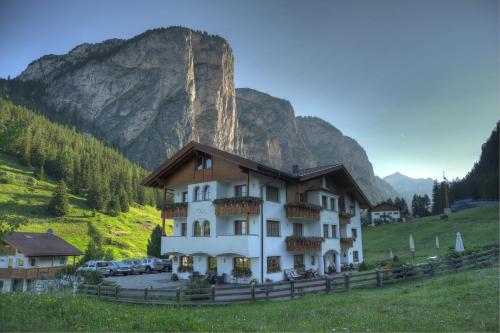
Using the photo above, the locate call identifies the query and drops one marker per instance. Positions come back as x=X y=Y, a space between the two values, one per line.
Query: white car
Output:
x=99 y=266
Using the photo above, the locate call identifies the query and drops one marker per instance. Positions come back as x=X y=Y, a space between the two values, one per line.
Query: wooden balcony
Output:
x=344 y=220
x=175 y=210
x=303 y=244
x=237 y=206
x=29 y=273
x=346 y=242
x=302 y=210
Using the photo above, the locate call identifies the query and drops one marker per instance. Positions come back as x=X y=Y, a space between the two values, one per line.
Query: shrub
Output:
x=91 y=277
x=174 y=277
x=68 y=270
x=365 y=267
x=198 y=287
x=242 y=272
x=59 y=205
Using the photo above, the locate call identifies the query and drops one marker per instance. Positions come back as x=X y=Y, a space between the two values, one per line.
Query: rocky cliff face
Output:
x=272 y=134
x=146 y=96
x=149 y=95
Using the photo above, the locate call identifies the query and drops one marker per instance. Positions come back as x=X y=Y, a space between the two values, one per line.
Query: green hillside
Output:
x=22 y=197
x=478 y=227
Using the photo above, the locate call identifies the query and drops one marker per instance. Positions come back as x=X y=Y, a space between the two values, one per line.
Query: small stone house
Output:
x=384 y=212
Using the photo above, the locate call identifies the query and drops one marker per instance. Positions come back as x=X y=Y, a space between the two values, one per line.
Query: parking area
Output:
x=153 y=280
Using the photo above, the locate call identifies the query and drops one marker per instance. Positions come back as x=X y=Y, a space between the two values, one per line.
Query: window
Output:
x=199 y=163
x=184 y=197
x=302 y=197
x=273 y=228
x=325 y=230
x=298 y=229
x=240 y=190
x=20 y=262
x=272 y=194
x=208 y=162
x=196 y=229
x=10 y=262
x=334 y=231
x=324 y=202
x=298 y=261
x=273 y=264
x=354 y=233
x=212 y=264
x=185 y=264
x=241 y=227
x=62 y=261
x=355 y=256
x=332 y=204
x=32 y=262
x=206 y=193
x=313 y=261
x=206 y=229
x=184 y=228
x=241 y=263
x=197 y=196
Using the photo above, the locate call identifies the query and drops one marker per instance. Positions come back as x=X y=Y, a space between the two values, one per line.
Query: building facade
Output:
x=384 y=212
x=26 y=257
x=244 y=220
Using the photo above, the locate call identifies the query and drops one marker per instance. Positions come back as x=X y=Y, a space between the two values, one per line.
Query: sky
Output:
x=414 y=82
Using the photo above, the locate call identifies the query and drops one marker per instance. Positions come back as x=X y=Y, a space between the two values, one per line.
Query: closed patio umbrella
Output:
x=391 y=255
x=459 y=245
x=437 y=245
x=412 y=247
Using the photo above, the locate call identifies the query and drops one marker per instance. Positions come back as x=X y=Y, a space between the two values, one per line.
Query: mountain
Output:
x=149 y=95
x=407 y=186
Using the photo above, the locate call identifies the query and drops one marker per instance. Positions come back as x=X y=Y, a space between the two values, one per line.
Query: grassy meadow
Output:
x=466 y=301
x=478 y=226
x=126 y=234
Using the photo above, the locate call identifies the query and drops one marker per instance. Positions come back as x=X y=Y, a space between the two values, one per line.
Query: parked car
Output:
x=152 y=264
x=167 y=265
x=99 y=266
x=118 y=267
x=136 y=266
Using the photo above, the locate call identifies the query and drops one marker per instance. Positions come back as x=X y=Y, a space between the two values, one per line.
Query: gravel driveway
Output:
x=153 y=280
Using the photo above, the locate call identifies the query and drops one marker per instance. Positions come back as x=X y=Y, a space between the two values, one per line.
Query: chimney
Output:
x=49 y=231
x=295 y=168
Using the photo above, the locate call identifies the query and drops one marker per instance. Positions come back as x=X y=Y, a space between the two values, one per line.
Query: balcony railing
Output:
x=175 y=210
x=302 y=243
x=344 y=220
x=28 y=273
x=346 y=242
x=237 y=206
x=302 y=210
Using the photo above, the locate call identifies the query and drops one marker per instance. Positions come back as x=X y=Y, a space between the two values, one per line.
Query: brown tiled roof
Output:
x=36 y=244
x=183 y=154
x=385 y=207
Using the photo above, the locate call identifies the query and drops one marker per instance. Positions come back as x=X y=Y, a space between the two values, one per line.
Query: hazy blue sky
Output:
x=414 y=82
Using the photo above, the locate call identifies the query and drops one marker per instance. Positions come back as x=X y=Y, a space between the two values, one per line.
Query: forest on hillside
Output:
x=108 y=180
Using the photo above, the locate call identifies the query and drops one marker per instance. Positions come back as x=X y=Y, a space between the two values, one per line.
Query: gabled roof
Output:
x=193 y=147
x=36 y=244
x=385 y=207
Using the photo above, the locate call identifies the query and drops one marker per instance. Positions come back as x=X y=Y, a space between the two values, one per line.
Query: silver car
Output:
x=118 y=267
x=136 y=266
x=152 y=264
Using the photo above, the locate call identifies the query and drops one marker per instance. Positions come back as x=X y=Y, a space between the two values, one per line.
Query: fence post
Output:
x=212 y=291
x=378 y=277
x=474 y=259
x=178 y=294
x=99 y=291
x=431 y=269
x=346 y=281
x=116 y=292
x=292 y=288
x=145 y=294
x=404 y=272
x=252 y=290
x=327 y=284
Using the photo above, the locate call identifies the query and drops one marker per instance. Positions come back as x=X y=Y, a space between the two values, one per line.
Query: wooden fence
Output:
x=287 y=289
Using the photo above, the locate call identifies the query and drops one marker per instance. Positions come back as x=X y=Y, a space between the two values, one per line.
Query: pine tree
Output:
x=59 y=205
x=40 y=173
x=435 y=197
x=124 y=203
x=114 y=206
x=154 y=243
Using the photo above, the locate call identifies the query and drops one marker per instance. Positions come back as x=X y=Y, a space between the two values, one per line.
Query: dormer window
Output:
x=208 y=162
x=199 y=163
x=203 y=162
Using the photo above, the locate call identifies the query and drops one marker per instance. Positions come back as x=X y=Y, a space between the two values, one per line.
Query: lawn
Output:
x=467 y=301
x=479 y=227
x=126 y=234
